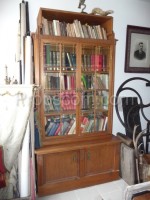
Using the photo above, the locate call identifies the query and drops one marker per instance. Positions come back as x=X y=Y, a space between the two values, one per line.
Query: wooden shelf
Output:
x=89 y=154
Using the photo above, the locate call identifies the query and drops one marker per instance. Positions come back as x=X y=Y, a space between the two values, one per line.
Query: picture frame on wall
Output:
x=137 y=55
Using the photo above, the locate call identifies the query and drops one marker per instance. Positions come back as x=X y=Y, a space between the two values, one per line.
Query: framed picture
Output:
x=137 y=56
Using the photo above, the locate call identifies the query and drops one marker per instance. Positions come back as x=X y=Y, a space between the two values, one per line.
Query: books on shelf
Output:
x=51 y=58
x=48 y=125
x=45 y=26
x=69 y=60
x=94 y=62
x=102 y=81
x=52 y=81
x=90 y=124
x=86 y=81
x=48 y=104
x=60 y=126
x=74 y=29
x=68 y=81
x=90 y=61
x=87 y=100
x=51 y=103
x=61 y=89
x=68 y=100
x=101 y=100
x=53 y=129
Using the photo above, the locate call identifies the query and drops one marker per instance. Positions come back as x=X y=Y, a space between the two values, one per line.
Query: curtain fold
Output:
x=15 y=107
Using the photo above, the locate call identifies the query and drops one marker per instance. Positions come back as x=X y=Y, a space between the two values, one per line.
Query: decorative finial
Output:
x=7 y=79
x=82 y=3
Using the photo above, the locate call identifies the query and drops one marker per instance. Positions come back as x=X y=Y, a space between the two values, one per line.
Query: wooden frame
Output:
x=137 y=38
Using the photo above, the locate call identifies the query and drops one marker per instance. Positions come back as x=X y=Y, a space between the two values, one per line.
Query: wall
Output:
x=135 y=12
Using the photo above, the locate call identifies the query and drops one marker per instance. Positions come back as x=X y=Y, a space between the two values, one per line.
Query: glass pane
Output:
x=68 y=58
x=51 y=57
x=52 y=81
x=51 y=103
x=68 y=81
x=60 y=125
x=101 y=122
x=52 y=126
x=87 y=100
x=68 y=125
x=101 y=100
x=86 y=81
x=87 y=123
x=95 y=58
x=68 y=100
x=94 y=88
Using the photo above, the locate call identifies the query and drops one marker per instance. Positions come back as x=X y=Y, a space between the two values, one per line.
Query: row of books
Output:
x=66 y=101
x=67 y=125
x=51 y=103
x=90 y=62
x=52 y=81
x=87 y=100
x=101 y=100
x=51 y=56
x=86 y=81
x=88 y=124
x=57 y=126
x=75 y=29
x=65 y=81
x=100 y=82
x=94 y=62
x=88 y=103
x=52 y=59
x=68 y=81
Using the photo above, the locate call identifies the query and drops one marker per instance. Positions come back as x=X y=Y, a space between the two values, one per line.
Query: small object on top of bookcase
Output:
x=74 y=65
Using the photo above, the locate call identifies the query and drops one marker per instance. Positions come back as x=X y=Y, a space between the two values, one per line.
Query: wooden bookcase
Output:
x=75 y=71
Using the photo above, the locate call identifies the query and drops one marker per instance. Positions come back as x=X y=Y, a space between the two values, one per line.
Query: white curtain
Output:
x=15 y=108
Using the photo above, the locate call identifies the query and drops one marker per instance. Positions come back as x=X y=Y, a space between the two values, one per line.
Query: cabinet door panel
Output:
x=100 y=159
x=60 y=166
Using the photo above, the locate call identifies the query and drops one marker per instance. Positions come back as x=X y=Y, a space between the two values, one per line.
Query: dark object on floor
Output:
x=2 y=169
x=131 y=108
x=125 y=139
x=142 y=196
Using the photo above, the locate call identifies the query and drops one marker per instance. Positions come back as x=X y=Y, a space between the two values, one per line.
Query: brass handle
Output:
x=88 y=155
x=74 y=158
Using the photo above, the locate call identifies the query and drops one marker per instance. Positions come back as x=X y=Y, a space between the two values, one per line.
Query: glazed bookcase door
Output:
x=58 y=78
x=76 y=91
x=94 y=89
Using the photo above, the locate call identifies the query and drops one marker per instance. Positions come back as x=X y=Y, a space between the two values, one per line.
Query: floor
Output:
x=108 y=191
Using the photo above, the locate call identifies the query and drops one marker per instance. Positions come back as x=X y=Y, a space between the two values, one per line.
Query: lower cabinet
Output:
x=61 y=166
x=70 y=167
x=100 y=159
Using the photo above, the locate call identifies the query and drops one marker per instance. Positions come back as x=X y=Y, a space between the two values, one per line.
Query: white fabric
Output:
x=24 y=167
x=135 y=189
x=8 y=192
x=15 y=107
x=28 y=60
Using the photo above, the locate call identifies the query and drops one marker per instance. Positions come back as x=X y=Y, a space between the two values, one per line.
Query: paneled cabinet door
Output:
x=101 y=159
x=56 y=167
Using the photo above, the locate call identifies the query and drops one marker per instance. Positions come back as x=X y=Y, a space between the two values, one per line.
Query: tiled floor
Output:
x=108 y=191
